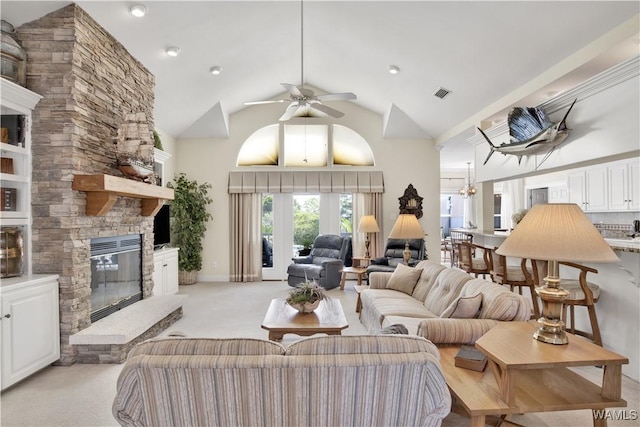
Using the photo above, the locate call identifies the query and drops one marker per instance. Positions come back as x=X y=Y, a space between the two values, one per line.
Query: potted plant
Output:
x=306 y=296
x=189 y=218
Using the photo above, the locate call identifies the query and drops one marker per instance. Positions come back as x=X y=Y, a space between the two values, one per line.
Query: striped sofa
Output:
x=438 y=289
x=383 y=380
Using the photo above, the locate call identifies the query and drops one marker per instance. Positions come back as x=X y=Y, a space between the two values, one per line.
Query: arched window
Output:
x=317 y=145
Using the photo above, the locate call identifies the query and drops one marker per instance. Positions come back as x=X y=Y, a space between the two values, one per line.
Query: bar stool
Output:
x=585 y=294
x=515 y=276
x=469 y=261
x=457 y=237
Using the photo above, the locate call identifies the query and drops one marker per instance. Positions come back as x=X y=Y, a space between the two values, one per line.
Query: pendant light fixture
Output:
x=469 y=189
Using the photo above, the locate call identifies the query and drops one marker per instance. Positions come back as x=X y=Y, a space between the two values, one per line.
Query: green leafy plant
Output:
x=157 y=142
x=306 y=292
x=189 y=218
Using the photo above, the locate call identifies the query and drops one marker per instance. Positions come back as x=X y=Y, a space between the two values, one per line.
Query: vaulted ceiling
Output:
x=489 y=55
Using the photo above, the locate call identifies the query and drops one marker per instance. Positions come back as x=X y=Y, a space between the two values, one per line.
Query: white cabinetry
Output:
x=624 y=186
x=15 y=176
x=165 y=271
x=588 y=189
x=30 y=326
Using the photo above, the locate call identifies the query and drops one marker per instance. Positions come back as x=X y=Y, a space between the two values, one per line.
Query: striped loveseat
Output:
x=384 y=380
x=430 y=306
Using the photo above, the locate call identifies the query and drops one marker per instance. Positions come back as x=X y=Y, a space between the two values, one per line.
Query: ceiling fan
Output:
x=304 y=102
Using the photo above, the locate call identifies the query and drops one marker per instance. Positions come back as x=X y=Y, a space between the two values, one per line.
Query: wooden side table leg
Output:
x=359 y=279
x=358 y=304
x=342 y=280
x=598 y=421
x=478 y=421
x=612 y=382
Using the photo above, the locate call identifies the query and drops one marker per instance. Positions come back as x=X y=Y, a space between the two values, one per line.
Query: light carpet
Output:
x=81 y=395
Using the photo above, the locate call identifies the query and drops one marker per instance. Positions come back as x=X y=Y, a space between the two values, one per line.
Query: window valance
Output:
x=306 y=182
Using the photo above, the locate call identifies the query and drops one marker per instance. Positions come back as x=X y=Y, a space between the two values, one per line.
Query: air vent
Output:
x=441 y=93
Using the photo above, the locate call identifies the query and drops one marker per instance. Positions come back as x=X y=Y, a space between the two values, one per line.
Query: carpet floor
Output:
x=81 y=395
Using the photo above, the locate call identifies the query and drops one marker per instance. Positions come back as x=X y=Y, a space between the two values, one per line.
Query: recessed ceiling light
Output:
x=216 y=70
x=393 y=69
x=173 y=50
x=138 y=10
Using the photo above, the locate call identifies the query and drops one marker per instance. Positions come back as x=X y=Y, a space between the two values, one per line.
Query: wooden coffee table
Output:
x=525 y=375
x=361 y=272
x=282 y=319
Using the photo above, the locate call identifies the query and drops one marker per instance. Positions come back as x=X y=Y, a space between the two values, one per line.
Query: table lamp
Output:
x=406 y=227
x=556 y=232
x=368 y=225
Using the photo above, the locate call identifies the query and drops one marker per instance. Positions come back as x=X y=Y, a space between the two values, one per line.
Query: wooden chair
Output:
x=520 y=276
x=585 y=294
x=469 y=261
x=455 y=238
x=445 y=242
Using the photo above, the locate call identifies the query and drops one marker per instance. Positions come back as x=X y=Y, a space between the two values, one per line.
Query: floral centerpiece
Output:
x=306 y=296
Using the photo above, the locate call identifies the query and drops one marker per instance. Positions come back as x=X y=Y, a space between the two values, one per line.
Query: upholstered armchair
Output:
x=393 y=255
x=329 y=254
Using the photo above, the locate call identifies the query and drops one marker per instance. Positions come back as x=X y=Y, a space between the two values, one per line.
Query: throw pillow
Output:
x=398 y=328
x=463 y=307
x=404 y=279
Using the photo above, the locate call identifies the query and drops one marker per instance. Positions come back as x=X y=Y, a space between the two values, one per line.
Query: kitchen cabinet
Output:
x=624 y=186
x=588 y=189
x=30 y=326
x=165 y=271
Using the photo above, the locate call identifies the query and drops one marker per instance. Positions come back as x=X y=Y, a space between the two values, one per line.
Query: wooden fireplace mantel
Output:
x=103 y=191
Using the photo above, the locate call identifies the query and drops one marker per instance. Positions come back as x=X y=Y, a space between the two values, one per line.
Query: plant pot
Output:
x=306 y=307
x=187 y=277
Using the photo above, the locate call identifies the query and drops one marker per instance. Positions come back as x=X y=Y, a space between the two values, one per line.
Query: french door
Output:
x=291 y=220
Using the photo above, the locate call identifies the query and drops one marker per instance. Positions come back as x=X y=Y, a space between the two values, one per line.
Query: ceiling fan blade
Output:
x=327 y=110
x=292 y=89
x=277 y=101
x=336 y=96
x=291 y=111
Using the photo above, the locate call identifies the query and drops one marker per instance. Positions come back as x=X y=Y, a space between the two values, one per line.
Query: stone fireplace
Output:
x=89 y=82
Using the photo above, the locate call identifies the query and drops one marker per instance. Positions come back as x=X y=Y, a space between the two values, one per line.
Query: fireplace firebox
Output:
x=116 y=274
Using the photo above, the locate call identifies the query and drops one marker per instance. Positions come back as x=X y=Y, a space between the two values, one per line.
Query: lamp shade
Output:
x=368 y=224
x=557 y=232
x=406 y=227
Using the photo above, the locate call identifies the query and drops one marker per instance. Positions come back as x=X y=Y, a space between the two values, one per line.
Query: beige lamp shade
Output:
x=407 y=227
x=557 y=232
x=368 y=224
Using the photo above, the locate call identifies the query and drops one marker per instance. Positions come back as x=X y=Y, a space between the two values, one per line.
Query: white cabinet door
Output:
x=576 y=186
x=596 y=186
x=158 y=274
x=634 y=185
x=30 y=329
x=171 y=272
x=165 y=271
x=618 y=188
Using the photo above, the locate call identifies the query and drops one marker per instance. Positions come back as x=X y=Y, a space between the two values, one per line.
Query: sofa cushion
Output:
x=404 y=279
x=206 y=347
x=464 y=307
x=445 y=290
x=430 y=272
x=498 y=302
x=361 y=344
x=382 y=303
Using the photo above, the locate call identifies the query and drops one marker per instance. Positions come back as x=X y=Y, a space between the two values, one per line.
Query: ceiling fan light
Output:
x=216 y=70
x=138 y=10
x=173 y=50
x=393 y=69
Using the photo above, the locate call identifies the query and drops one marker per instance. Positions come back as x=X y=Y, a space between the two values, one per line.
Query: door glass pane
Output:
x=346 y=215
x=267 y=230
x=306 y=222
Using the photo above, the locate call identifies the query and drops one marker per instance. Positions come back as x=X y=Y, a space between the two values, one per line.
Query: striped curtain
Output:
x=246 y=237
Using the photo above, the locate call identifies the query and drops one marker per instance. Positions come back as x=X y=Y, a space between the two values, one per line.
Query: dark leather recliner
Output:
x=393 y=255
x=328 y=255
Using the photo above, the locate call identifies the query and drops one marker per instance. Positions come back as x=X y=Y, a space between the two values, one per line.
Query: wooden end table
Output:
x=283 y=319
x=525 y=375
x=360 y=271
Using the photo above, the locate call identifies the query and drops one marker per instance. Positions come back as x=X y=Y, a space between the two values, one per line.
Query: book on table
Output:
x=469 y=357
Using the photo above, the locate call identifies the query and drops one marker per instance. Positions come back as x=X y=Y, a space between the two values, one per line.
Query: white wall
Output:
x=403 y=162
